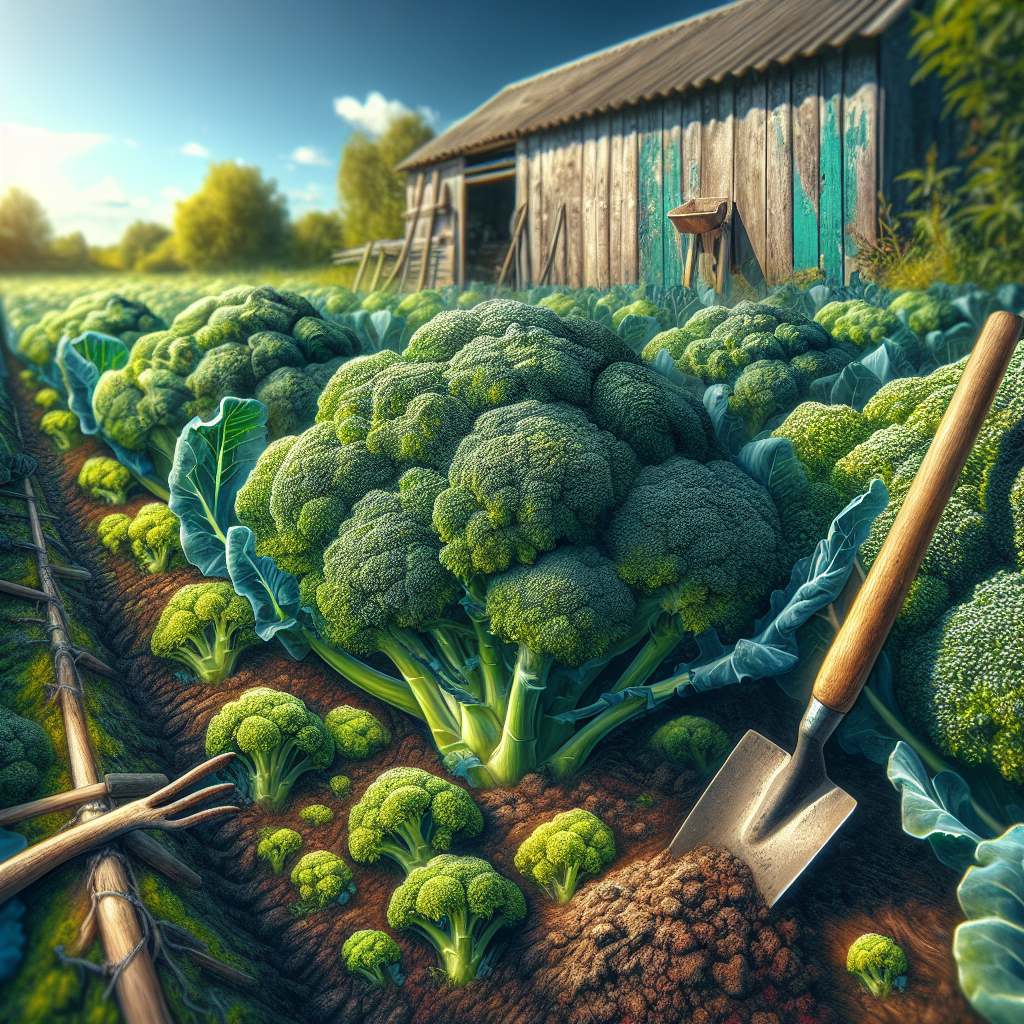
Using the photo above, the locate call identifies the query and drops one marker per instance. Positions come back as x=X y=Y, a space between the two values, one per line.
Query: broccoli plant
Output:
x=47 y=398
x=561 y=851
x=374 y=955
x=409 y=815
x=692 y=741
x=153 y=535
x=316 y=815
x=105 y=480
x=879 y=963
x=277 y=846
x=357 y=734
x=275 y=737
x=323 y=877
x=341 y=786
x=62 y=427
x=205 y=626
x=856 y=321
x=26 y=755
x=458 y=904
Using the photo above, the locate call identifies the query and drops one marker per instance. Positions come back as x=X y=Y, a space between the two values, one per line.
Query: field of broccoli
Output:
x=480 y=589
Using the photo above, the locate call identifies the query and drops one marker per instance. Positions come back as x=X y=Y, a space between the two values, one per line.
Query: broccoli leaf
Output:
x=951 y=345
x=729 y=429
x=989 y=946
x=636 y=331
x=377 y=331
x=774 y=465
x=273 y=593
x=211 y=463
x=81 y=362
x=665 y=365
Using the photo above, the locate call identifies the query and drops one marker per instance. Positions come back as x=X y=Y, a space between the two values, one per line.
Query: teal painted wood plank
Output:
x=690 y=161
x=830 y=231
x=806 y=164
x=779 y=184
x=860 y=171
x=672 y=189
x=652 y=259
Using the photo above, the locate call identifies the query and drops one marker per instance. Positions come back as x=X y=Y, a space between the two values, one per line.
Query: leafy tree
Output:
x=371 y=191
x=25 y=231
x=70 y=252
x=140 y=239
x=163 y=259
x=315 y=236
x=236 y=219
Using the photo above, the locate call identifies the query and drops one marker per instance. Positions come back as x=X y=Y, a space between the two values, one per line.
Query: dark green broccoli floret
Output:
x=105 y=480
x=457 y=904
x=224 y=370
x=357 y=734
x=277 y=846
x=409 y=815
x=205 y=626
x=341 y=786
x=692 y=741
x=560 y=852
x=374 y=955
x=442 y=336
x=62 y=426
x=317 y=815
x=878 y=962
x=270 y=351
x=764 y=388
x=26 y=755
x=323 y=877
x=277 y=739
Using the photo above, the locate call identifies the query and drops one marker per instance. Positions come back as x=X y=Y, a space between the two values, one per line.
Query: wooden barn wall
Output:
x=445 y=228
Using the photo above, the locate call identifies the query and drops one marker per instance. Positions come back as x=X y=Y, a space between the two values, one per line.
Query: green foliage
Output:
x=357 y=734
x=276 y=846
x=25 y=231
x=878 y=962
x=925 y=312
x=691 y=741
x=276 y=738
x=105 y=480
x=559 y=853
x=205 y=626
x=315 y=237
x=409 y=815
x=458 y=904
x=323 y=877
x=153 y=535
x=140 y=239
x=26 y=755
x=316 y=815
x=341 y=786
x=62 y=427
x=374 y=955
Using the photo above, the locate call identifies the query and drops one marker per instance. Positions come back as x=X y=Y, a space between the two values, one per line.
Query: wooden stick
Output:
x=154 y=854
x=215 y=966
x=362 y=266
x=380 y=267
x=29 y=593
x=513 y=246
x=71 y=572
x=407 y=244
x=559 y=217
x=435 y=181
x=92 y=663
x=116 y=785
x=688 y=272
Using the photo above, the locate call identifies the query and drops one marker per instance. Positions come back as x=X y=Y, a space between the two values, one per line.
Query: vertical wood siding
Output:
x=652 y=195
x=779 y=177
x=673 y=188
x=806 y=169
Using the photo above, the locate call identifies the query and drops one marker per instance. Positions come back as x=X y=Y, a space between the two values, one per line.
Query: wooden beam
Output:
x=378 y=269
x=779 y=163
x=421 y=180
x=559 y=221
x=362 y=266
x=514 y=245
x=29 y=593
x=435 y=182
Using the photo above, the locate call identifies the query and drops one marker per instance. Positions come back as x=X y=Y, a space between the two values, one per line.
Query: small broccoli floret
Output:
x=62 y=426
x=409 y=815
x=322 y=877
x=155 y=537
x=457 y=904
x=275 y=737
x=47 y=398
x=341 y=786
x=879 y=963
x=317 y=815
x=113 y=530
x=692 y=741
x=561 y=851
x=879 y=455
x=105 y=480
x=374 y=955
x=276 y=847
x=856 y=321
x=357 y=734
x=26 y=755
x=205 y=626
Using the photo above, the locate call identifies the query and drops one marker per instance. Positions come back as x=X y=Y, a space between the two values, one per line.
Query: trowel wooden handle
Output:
x=860 y=639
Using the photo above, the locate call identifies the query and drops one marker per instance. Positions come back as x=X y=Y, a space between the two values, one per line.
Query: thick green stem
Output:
x=492 y=669
x=451 y=649
x=516 y=753
x=665 y=636
x=481 y=729
x=153 y=486
x=571 y=755
x=420 y=851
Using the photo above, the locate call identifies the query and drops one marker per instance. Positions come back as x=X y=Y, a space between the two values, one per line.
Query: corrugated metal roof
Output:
x=728 y=40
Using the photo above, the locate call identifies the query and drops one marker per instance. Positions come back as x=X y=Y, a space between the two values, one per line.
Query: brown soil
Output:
x=628 y=958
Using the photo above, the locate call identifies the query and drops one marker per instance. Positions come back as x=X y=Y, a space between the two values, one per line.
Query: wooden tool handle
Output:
x=860 y=639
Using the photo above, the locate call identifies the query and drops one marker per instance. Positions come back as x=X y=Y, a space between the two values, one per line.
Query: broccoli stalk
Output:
x=879 y=963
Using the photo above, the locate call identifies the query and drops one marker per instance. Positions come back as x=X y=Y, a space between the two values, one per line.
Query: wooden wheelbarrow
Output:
x=708 y=218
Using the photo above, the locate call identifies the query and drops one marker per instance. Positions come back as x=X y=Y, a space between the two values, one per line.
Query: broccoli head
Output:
x=857 y=321
x=561 y=851
x=317 y=815
x=440 y=337
x=882 y=454
x=62 y=427
x=764 y=388
x=691 y=741
x=341 y=786
x=879 y=963
x=323 y=877
x=277 y=846
x=113 y=531
x=357 y=734
x=47 y=398
x=925 y=312
x=155 y=537
x=374 y=955
x=105 y=480
x=26 y=755
x=458 y=904
x=205 y=626
x=643 y=307
x=409 y=815
x=822 y=434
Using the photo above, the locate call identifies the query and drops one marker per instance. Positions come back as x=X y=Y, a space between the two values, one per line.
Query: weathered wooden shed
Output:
x=799 y=112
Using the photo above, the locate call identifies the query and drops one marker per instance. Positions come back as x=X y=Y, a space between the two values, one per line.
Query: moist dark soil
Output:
x=653 y=939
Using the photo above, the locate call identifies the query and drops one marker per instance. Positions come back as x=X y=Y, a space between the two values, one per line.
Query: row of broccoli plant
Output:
x=525 y=520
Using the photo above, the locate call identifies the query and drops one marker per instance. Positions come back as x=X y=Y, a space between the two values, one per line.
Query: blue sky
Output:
x=112 y=109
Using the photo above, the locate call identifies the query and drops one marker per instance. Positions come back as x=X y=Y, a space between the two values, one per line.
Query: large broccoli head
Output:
x=559 y=853
x=691 y=741
x=374 y=955
x=409 y=815
x=26 y=755
x=323 y=877
x=857 y=321
x=357 y=734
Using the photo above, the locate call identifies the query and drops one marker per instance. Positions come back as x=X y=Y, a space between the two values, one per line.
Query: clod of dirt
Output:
x=675 y=941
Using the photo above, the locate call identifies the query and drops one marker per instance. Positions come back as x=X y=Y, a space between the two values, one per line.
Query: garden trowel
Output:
x=775 y=811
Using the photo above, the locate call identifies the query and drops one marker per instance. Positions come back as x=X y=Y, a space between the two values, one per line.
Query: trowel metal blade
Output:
x=733 y=801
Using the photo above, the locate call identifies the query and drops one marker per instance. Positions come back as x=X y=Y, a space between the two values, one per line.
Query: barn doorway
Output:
x=490 y=209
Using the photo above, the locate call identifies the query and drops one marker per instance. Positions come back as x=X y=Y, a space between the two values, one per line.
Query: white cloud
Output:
x=172 y=194
x=376 y=112
x=131 y=143
x=310 y=156
x=194 y=149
